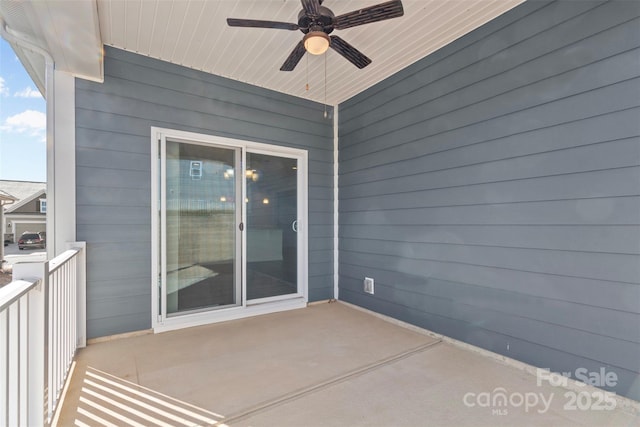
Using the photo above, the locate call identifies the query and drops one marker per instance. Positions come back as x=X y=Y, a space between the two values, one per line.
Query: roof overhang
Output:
x=68 y=30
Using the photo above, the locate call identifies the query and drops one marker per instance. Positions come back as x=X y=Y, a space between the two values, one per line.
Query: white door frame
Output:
x=160 y=321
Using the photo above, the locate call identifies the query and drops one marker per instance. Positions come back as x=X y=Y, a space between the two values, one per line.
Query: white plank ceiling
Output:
x=194 y=33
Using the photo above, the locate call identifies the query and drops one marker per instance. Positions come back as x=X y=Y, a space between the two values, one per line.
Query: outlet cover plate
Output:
x=368 y=285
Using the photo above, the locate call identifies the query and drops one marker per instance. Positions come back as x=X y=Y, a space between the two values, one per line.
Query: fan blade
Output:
x=380 y=12
x=352 y=54
x=295 y=57
x=311 y=7
x=255 y=23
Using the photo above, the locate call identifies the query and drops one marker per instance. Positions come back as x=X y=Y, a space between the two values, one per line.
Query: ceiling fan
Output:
x=317 y=22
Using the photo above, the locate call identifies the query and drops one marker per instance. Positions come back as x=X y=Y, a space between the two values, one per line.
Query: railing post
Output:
x=37 y=340
x=81 y=291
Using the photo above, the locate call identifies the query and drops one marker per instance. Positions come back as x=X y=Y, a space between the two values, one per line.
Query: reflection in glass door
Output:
x=202 y=244
x=272 y=222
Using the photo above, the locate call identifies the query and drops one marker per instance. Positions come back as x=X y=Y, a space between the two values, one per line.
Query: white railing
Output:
x=66 y=333
x=42 y=324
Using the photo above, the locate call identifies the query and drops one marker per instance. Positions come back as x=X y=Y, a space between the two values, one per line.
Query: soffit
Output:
x=68 y=30
x=194 y=33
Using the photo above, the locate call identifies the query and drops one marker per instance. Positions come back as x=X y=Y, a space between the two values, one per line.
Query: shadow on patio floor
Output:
x=108 y=400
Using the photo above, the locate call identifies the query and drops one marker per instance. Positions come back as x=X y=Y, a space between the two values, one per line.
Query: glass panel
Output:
x=272 y=243
x=201 y=193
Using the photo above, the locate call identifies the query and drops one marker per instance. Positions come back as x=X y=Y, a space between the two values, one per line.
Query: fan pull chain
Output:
x=307 y=59
x=325 y=85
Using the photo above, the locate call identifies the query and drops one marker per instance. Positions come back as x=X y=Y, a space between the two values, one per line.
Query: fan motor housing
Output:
x=325 y=20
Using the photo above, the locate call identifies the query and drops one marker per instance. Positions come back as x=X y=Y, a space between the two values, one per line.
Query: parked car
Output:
x=29 y=240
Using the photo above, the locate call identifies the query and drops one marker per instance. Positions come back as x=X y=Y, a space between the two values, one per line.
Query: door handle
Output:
x=294 y=225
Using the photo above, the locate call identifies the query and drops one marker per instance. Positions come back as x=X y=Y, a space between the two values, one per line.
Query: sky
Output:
x=23 y=155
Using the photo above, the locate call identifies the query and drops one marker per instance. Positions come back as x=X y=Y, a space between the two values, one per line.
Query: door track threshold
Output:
x=286 y=398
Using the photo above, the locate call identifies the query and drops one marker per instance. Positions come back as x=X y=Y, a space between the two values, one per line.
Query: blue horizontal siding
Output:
x=492 y=189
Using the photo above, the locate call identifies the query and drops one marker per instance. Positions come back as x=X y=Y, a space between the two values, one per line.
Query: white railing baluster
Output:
x=56 y=335
x=13 y=363
x=4 y=366
x=36 y=383
x=72 y=311
x=23 y=305
x=50 y=366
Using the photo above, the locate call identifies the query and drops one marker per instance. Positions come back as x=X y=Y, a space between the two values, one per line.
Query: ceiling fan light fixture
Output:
x=317 y=21
x=316 y=42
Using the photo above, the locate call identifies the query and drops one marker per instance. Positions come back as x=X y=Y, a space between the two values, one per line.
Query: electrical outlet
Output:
x=368 y=285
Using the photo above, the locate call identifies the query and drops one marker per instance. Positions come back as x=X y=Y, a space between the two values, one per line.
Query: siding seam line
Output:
x=501 y=290
x=487 y=266
x=487 y=162
x=505 y=313
x=499 y=116
x=492 y=246
x=422 y=104
x=125 y=58
x=517 y=202
x=507 y=136
x=460 y=49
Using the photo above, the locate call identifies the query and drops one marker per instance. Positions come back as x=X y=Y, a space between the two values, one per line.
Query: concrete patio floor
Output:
x=326 y=365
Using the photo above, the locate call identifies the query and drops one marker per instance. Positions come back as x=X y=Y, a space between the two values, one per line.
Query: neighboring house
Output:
x=29 y=210
x=491 y=189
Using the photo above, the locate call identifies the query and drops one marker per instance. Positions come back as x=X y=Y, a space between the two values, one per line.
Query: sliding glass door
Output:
x=201 y=233
x=230 y=233
x=272 y=218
